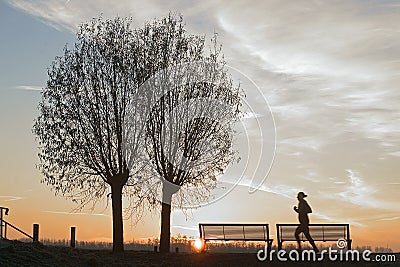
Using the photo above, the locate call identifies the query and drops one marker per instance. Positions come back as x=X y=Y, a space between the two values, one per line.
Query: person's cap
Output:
x=301 y=194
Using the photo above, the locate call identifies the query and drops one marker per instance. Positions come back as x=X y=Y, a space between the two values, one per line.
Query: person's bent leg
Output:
x=297 y=236
x=311 y=240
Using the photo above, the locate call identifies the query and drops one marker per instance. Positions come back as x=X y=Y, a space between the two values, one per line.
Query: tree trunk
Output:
x=165 y=236
x=118 y=228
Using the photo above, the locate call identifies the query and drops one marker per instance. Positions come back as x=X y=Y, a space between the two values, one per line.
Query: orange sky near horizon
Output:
x=94 y=227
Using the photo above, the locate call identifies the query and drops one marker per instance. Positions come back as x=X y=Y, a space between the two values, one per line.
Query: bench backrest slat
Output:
x=234 y=231
x=319 y=232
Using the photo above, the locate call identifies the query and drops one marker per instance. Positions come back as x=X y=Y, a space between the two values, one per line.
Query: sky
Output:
x=321 y=78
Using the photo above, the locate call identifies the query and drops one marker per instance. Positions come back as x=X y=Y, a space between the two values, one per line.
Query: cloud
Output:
x=55 y=14
x=11 y=198
x=76 y=213
x=395 y=153
x=68 y=15
x=29 y=87
x=327 y=69
x=191 y=228
x=289 y=192
x=357 y=192
x=335 y=220
x=320 y=65
x=390 y=218
x=251 y=115
x=282 y=190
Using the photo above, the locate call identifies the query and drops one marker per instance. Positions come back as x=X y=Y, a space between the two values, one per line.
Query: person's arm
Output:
x=296 y=209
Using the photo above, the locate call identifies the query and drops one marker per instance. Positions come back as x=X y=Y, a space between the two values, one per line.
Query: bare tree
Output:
x=86 y=145
x=190 y=127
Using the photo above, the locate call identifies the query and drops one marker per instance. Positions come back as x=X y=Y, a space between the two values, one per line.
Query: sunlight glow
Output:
x=198 y=244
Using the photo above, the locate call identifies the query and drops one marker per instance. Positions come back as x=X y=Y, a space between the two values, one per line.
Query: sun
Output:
x=198 y=244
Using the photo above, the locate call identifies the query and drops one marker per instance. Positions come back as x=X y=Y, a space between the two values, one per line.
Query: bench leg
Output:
x=269 y=247
x=349 y=244
x=204 y=247
x=279 y=245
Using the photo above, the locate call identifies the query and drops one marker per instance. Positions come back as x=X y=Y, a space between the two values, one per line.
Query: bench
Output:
x=319 y=232
x=235 y=232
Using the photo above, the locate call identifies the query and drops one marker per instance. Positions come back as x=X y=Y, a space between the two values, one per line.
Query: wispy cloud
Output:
x=76 y=213
x=357 y=192
x=395 y=153
x=56 y=14
x=29 y=87
x=68 y=15
x=390 y=218
x=281 y=189
x=307 y=58
x=11 y=198
x=336 y=220
x=323 y=80
x=191 y=228
x=290 y=192
x=251 y=115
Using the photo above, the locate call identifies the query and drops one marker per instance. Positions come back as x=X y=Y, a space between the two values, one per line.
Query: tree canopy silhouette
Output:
x=85 y=145
x=189 y=130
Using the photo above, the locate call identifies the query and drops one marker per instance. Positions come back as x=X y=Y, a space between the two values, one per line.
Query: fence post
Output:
x=3 y=234
x=1 y=223
x=35 y=233
x=73 y=236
